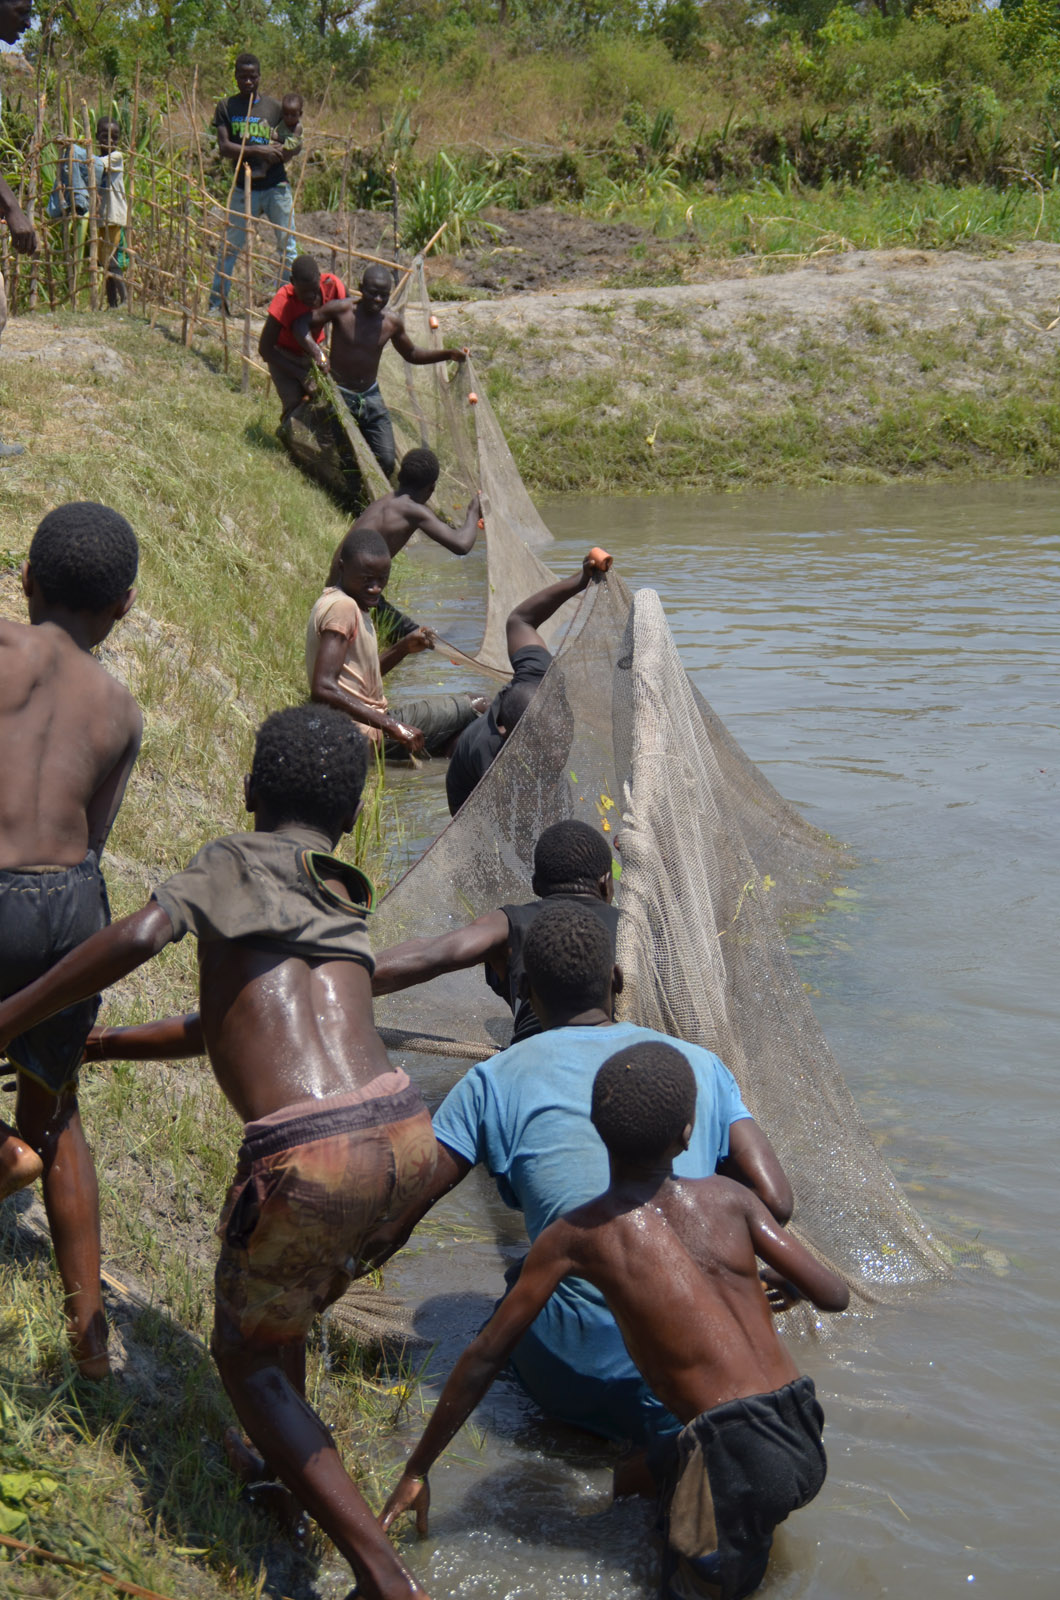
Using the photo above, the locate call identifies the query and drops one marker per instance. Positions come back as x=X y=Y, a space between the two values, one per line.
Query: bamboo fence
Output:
x=173 y=240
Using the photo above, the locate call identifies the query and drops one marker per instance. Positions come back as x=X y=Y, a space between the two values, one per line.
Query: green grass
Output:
x=766 y=221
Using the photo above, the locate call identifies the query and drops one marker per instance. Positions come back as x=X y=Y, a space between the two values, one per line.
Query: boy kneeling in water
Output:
x=336 y=1140
x=675 y=1259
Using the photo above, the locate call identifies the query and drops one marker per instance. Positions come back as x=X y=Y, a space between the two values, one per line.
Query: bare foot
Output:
x=89 y=1349
x=263 y=1490
x=20 y=1165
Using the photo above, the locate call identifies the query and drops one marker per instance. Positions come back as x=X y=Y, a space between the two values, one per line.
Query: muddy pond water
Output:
x=889 y=657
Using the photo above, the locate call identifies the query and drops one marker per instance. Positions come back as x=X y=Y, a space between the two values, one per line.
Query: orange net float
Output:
x=600 y=559
x=433 y=321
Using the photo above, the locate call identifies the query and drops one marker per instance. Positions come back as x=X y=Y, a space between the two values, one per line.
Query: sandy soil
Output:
x=923 y=289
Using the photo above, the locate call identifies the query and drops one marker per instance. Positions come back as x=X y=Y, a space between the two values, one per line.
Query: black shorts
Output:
x=741 y=1469
x=43 y=916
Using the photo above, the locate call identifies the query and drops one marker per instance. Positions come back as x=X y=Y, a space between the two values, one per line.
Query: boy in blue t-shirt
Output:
x=524 y=1114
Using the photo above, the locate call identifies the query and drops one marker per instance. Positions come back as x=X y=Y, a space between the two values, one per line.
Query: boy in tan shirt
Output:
x=346 y=667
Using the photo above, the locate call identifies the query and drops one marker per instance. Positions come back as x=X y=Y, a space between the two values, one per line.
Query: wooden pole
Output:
x=32 y=190
x=93 y=215
x=248 y=276
x=130 y=188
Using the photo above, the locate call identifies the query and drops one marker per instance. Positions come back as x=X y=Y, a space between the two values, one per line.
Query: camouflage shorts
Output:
x=309 y=1195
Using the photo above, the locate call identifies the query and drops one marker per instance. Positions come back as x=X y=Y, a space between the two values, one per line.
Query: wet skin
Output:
x=676 y=1261
x=277 y=1029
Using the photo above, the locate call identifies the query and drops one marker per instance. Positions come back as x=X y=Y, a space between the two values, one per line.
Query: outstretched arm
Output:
x=547 y=1263
x=168 y=1039
x=791 y=1259
x=529 y=614
x=420 y=960
x=103 y=959
x=753 y=1162
x=458 y=540
x=415 y=355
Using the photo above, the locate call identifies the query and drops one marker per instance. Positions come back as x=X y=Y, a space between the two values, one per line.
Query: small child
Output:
x=335 y=1142
x=346 y=666
x=676 y=1262
x=69 y=735
x=291 y=107
x=113 y=208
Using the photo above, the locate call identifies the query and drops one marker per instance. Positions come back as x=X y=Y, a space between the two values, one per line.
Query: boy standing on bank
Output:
x=251 y=132
x=69 y=735
x=335 y=1142
x=676 y=1261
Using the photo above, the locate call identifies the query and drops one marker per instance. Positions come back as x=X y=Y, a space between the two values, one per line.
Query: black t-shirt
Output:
x=259 y=125
x=520 y=921
x=482 y=741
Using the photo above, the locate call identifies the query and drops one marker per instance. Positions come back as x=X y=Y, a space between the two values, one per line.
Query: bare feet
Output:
x=20 y=1165
x=263 y=1490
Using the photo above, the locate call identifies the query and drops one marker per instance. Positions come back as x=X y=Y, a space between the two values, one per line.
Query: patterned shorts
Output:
x=309 y=1196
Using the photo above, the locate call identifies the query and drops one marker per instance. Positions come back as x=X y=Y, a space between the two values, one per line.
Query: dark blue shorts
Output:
x=43 y=916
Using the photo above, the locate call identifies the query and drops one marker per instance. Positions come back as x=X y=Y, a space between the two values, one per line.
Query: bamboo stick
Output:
x=130 y=188
x=70 y=224
x=248 y=268
x=93 y=216
x=33 y=184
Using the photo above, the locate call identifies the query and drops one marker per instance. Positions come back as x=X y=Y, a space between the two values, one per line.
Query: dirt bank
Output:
x=864 y=365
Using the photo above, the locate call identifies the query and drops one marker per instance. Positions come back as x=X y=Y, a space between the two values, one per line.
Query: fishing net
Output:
x=710 y=856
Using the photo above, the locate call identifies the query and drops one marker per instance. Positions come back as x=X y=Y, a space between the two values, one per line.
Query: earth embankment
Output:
x=855 y=367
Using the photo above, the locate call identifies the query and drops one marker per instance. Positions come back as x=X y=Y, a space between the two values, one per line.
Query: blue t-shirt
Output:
x=524 y=1115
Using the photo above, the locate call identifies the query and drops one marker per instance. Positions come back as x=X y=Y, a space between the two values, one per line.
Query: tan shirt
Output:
x=335 y=612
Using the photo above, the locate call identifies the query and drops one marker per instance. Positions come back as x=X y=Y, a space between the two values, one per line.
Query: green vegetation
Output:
x=131 y=1479
x=682 y=116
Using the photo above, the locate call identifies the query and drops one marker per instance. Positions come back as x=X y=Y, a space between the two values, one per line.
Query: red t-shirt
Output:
x=287 y=308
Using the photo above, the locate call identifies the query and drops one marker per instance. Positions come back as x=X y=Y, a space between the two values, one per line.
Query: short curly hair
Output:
x=310 y=763
x=361 y=542
x=568 y=956
x=643 y=1100
x=419 y=469
x=84 y=556
x=569 y=858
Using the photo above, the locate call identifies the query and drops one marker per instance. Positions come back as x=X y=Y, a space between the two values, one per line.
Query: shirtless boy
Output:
x=360 y=332
x=346 y=667
x=675 y=1259
x=335 y=1138
x=69 y=734
x=403 y=512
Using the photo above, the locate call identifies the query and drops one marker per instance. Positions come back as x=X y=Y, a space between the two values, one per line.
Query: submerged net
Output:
x=617 y=736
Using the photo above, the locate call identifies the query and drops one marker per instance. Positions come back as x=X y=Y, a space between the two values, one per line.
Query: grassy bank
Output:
x=235 y=543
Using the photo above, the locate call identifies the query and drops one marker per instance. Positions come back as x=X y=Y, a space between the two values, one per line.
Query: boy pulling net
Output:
x=335 y=1142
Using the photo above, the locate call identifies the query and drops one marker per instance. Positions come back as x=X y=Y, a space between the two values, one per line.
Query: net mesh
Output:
x=616 y=735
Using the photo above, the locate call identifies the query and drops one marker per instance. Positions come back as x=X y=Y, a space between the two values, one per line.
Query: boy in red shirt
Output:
x=287 y=357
